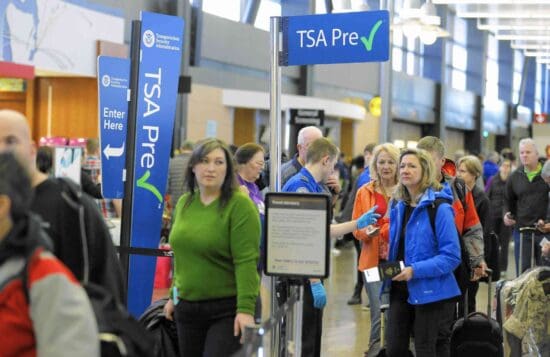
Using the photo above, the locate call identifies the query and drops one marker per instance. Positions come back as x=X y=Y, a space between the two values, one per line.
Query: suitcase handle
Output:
x=489 y=297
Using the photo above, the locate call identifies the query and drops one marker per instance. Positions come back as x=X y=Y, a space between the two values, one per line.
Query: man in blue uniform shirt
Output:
x=320 y=160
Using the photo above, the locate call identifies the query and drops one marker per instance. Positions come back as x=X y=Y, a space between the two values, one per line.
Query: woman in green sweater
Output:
x=215 y=238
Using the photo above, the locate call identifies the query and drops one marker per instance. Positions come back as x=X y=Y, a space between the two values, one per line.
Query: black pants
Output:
x=503 y=232
x=205 y=328
x=359 y=283
x=429 y=323
x=312 y=325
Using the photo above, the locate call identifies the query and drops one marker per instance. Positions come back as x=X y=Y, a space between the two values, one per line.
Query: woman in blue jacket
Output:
x=421 y=295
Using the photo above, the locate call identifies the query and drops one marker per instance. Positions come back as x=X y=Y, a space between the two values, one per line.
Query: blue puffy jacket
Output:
x=433 y=258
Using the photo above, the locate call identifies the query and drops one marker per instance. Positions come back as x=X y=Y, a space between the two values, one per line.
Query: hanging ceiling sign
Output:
x=336 y=38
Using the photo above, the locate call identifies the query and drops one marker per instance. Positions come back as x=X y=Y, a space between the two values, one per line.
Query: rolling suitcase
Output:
x=523 y=232
x=477 y=334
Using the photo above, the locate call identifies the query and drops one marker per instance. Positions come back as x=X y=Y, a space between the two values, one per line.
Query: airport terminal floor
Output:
x=346 y=328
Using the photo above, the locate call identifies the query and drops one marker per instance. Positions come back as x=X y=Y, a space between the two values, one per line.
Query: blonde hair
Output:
x=393 y=151
x=472 y=164
x=428 y=179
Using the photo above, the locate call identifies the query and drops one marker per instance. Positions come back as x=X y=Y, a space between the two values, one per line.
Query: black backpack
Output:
x=163 y=330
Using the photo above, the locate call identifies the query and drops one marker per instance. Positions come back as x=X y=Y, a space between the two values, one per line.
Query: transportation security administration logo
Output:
x=148 y=38
x=106 y=80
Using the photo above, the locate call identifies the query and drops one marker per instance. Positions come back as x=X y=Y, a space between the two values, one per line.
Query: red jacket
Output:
x=52 y=316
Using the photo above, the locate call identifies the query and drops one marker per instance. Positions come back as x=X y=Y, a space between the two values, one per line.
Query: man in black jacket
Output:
x=526 y=202
x=81 y=239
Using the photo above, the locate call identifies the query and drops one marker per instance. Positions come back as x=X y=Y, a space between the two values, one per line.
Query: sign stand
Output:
x=275 y=150
x=128 y=200
x=315 y=39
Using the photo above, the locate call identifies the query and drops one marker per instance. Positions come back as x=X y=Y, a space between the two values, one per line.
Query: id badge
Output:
x=175 y=295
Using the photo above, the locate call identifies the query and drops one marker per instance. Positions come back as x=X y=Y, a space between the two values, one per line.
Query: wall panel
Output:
x=66 y=107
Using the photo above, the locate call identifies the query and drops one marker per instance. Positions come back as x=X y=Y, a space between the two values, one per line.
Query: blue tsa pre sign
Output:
x=159 y=69
x=113 y=82
x=336 y=38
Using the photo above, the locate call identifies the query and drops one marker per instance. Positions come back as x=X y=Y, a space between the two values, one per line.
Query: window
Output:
x=491 y=68
x=267 y=9
x=518 y=69
x=538 y=87
x=457 y=54
x=229 y=9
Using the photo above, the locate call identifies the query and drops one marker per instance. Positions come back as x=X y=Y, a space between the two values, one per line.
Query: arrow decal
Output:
x=113 y=151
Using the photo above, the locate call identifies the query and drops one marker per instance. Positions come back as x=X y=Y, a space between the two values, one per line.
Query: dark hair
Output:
x=202 y=149
x=246 y=151
x=16 y=184
x=44 y=159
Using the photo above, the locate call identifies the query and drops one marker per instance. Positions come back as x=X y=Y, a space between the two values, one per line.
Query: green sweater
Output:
x=216 y=252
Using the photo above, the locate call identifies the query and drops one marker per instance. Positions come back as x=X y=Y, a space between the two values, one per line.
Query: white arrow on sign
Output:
x=113 y=151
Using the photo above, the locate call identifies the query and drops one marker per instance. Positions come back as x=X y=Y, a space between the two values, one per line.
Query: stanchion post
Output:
x=275 y=148
x=127 y=202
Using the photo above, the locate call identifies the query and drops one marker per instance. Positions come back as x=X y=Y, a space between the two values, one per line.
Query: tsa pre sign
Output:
x=161 y=47
x=113 y=81
x=336 y=38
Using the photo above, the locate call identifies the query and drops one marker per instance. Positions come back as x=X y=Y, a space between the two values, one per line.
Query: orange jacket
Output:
x=365 y=200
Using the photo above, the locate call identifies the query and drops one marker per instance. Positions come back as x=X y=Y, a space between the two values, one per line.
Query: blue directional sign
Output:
x=336 y=38
x=113 y=82
x=159 y=70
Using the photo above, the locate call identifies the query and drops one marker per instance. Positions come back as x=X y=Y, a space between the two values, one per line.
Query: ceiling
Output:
x=526 y=23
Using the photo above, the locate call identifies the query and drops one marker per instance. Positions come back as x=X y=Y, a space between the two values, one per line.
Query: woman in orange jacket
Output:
x=374 y=239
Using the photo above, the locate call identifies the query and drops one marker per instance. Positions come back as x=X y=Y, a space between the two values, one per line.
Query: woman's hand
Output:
x=241 y=321
x=405 y=275
x=169 y=310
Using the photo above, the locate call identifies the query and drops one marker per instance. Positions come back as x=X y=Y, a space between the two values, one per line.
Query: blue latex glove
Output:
x=368 y=218
x=319 y=295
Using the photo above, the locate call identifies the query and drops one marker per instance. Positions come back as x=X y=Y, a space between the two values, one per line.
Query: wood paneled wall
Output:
x=244 y=126
x=346 y=137
x=13 y=100
x=65 y=107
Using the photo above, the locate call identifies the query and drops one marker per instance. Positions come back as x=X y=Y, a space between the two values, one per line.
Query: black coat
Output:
x=70 y=218
x=527 y=201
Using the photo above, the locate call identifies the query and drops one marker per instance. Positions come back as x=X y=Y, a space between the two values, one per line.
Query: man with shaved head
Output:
x=80 y=237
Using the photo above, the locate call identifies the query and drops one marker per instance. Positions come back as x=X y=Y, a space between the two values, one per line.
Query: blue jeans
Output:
x=526 y=249
x=373 y=292
x=205 y=328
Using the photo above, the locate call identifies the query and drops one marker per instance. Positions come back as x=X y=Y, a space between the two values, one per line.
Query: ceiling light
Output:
x=428 y=14
x=410 y=9
x=522 y=2
x=504 y=15
x=423 y=22
x=523 y=37
x=428 y=37
x=512 y=27
x=516 y=46
x=536 y=53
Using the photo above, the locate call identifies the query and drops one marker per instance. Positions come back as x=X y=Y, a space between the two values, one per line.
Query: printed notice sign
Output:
x=297 y=235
